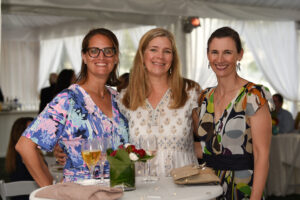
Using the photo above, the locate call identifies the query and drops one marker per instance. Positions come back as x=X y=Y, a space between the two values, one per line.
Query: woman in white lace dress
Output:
x=159 y=101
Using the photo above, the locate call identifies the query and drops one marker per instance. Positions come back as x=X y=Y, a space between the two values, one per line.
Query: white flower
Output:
x=126 y=145
x=133 y=157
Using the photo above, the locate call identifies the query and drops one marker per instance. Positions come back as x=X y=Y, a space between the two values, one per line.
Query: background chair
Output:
x=17 y=188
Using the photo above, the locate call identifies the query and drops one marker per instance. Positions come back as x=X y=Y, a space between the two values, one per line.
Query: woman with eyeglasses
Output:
x=85 y=110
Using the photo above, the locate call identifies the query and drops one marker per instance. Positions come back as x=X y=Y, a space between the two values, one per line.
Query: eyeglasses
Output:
x=94 y=51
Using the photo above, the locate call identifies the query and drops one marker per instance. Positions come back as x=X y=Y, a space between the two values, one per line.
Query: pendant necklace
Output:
x=104 y=93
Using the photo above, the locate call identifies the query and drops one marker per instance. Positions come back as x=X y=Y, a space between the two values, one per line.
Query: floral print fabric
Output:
x=71 y=117
x=231 y=134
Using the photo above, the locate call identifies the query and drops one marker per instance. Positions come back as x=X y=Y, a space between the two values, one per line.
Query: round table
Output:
x=164 y=188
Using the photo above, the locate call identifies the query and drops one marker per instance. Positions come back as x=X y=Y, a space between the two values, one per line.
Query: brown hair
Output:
x=226 y=32
x=123 y=81
x=17 y=129
x=139 y=87
x=113 y=78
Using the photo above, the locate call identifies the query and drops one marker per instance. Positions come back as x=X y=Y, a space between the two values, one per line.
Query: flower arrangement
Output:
x=129 y=152
x=122 y=169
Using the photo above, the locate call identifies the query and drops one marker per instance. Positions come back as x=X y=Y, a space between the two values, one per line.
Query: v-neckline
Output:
x=228 y=105
x=160 y=101
x=95 y=105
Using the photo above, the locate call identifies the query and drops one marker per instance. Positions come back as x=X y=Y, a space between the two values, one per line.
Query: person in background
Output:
x=284 y=118
x=14 y=165
x=124 y=81
x=233 y=123
x=48 y=93
x=1 y=96
x=86 y=110
x=159 y=101
x=1 y=99
x=297 y=122
x=65 y=78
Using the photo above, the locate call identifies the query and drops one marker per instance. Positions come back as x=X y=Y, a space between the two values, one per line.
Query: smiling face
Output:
x=100 y=66
x=158 y=56
x=223 y=56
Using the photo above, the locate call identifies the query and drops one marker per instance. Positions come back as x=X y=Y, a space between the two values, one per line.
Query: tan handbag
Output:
x=193 y=174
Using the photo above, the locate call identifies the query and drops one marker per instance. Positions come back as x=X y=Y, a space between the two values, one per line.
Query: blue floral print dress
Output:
x=71 y=117
x=227 y=143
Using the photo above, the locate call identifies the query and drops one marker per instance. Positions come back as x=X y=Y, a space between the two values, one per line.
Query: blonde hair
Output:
x=139 y=87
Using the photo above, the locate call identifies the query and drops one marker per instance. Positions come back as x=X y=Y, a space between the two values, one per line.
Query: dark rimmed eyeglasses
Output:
x=94 y=51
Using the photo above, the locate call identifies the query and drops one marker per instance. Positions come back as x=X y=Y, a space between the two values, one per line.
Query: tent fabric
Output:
x=224 y=9
x=38 y=22
x=19 y=67
x=274 y=49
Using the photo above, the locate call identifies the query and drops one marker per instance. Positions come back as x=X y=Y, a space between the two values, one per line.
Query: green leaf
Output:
x=123 y=156
x=145 y=158
x=122 y=174
x=109 y=151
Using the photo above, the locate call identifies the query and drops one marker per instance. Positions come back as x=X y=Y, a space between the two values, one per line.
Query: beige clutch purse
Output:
x=193 y=174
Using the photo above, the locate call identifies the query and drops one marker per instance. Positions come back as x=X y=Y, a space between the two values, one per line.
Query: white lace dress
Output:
x=172 y=127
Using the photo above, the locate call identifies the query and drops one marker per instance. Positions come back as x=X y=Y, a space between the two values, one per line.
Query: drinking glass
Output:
x=105 y=144
x=91 y=152
x=149 y=144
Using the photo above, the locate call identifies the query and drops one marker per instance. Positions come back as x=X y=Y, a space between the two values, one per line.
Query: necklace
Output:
x=217 y=102
x=104 y=93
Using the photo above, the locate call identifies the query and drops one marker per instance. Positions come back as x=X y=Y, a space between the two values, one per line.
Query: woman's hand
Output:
x=59 y=155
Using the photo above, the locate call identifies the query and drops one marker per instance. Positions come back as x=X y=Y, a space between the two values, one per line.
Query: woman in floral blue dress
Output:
x=85 y=110
x=233 y=122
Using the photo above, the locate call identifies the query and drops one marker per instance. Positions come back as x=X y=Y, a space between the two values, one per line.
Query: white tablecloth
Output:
x=166 y=189
x=284 y=172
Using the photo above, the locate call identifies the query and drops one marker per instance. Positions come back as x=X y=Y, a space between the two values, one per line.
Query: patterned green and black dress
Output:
x=227 y=143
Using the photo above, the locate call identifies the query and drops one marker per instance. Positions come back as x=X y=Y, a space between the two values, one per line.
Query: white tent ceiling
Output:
x=27 y=19
x=48 y=12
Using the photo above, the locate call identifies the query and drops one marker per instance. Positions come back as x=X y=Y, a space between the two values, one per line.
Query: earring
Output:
x=238 y=66
x=170 y=71
x=208 y=66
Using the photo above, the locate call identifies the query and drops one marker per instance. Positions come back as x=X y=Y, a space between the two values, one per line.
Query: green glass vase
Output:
x=122 y=175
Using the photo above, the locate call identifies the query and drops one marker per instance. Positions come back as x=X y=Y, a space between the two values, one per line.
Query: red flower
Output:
x=140 y=152
x=121 y=146
x=131 y=148
x=113 y=153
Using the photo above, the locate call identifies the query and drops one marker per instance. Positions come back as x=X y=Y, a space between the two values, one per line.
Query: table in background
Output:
x=284 y=171
x=166 y=189
x=7 y=118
